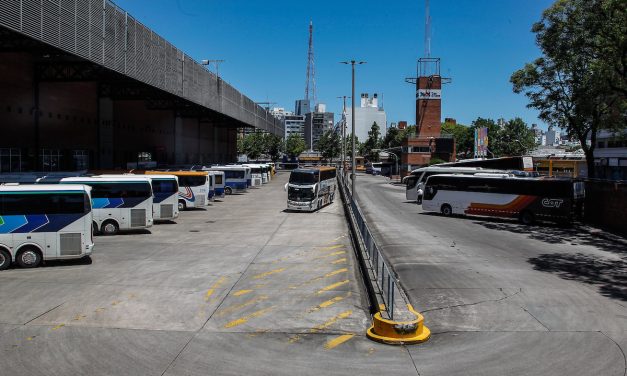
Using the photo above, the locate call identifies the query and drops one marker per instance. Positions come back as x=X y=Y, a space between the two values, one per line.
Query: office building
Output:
x=365 y=115
x=316 y=124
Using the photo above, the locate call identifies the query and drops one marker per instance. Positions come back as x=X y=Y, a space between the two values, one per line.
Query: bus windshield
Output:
x=300 y=194
x=303 y=177
x=192 y=181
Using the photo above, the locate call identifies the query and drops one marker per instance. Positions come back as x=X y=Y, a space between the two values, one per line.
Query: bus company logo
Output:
x=552 y=202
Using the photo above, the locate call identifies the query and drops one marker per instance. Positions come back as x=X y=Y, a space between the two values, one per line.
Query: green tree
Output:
x=253 y=145
x=464 y=138
x=373 y=142
x=516 y=138
x=579 y=84
x=294 y=145
x=329 y=145
x=273 y=146
x=349 y=145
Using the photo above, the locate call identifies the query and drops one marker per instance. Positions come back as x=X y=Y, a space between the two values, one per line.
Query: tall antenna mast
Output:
x=311 y=70
x=427 y=30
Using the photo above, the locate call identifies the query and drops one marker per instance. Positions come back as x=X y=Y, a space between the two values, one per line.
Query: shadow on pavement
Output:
x=610 y=276
x=559 y=234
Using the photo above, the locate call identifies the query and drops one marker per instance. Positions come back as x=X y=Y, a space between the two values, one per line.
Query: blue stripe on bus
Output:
x=236 y=184
x=162 y=196
x=11 y=223
x=34 y=222
x=219 y=191
x=16 y=224
x=116 y=202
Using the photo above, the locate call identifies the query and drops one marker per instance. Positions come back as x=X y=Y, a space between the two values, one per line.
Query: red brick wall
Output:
x=429 y=112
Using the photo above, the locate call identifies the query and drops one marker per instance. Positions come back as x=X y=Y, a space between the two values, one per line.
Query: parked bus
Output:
x=310 y=189
x=414 y=183
x=235 y=178
x=44 y=222
x=165 y=190
x=119 y=203
x=527 y=199
x=256 y=174
x=193 y=188
x=218 y=181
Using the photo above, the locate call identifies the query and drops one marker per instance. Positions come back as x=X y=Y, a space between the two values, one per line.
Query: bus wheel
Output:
x=5 y=259
x=446 y=210
x=110 y=227
x=228 y=190
x=182 y=205
x=526 y=218
x=28 y=257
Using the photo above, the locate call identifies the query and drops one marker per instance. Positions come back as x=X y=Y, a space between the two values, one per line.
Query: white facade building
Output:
x=365 y=115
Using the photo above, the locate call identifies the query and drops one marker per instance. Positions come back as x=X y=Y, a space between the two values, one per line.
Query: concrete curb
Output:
x=392 y=332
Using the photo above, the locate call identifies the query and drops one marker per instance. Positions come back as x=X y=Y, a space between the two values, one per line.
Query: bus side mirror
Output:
x=285 y=187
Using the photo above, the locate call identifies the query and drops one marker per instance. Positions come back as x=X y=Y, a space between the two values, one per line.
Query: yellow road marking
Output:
x=333 y=247
x=213 y=288
x=323 y=326
x=241 y=292
x=79 y=317
x=335 y=285
x=30 y=338
x=97 y=310
x=245 y=319
x=331 y=321
x=327 y=303
x=258 y=332
x=263 y=275
x=115 y=302
x=58 y=327
x=330 y=254
x=338 y=341
x=336 y=272
x=231 y=309
x=340 y=261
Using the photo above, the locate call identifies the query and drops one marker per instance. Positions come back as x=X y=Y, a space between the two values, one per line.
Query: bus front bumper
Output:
x=295 y=205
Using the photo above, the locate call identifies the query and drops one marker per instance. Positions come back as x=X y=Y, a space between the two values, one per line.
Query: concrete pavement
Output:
x=242 y=287
x=502 y=298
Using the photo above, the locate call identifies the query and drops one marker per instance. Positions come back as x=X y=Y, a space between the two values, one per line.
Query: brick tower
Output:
x=428 y=98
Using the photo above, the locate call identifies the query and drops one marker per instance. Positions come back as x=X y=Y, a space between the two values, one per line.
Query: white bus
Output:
x=118 y=203
x=527 y=199
x=235 y=178
x=218 y=182
x=193 y=188
x=414 y=183
x=165 y=189
x=257 y=174
x=310 y=189
x=44 y=222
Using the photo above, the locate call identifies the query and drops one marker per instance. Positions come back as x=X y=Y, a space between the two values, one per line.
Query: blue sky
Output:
x=480 y=42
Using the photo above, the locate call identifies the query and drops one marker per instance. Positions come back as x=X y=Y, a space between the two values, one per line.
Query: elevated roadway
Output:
x=502 y=298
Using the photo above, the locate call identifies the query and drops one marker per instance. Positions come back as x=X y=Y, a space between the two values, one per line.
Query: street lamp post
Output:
x=216 y=61
x=352 y=63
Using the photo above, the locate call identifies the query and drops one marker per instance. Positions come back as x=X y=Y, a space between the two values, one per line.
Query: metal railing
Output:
x=105 y=34
x=382 y=275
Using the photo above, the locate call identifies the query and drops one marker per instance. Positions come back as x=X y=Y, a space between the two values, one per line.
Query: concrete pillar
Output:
x=105 y=133
x=179 y=152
